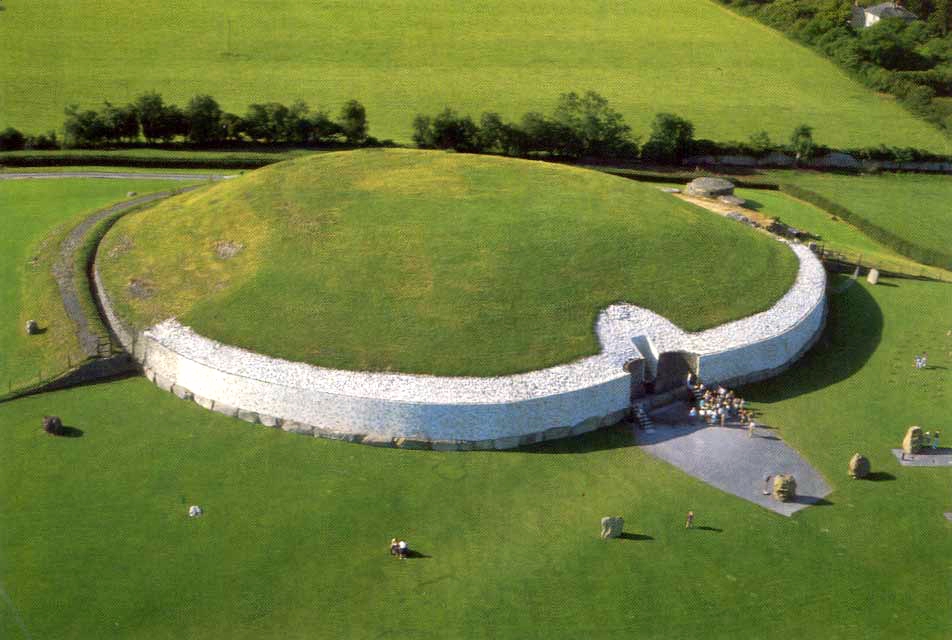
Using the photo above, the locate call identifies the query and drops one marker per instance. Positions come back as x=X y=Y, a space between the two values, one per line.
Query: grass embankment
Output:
x=432 y=262
x=35 y=216
x=834 y=233
x=909 y=213
x=688 y=57
x=293 y=543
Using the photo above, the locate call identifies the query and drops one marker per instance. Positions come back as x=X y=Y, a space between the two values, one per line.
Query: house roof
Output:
x=891 y=10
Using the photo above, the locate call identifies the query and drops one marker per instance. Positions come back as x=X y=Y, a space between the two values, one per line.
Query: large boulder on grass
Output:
x=710 y=187
x=912 y=443
x=784 y=487
x=612 y=527
x=859 y=466
x=53 y=425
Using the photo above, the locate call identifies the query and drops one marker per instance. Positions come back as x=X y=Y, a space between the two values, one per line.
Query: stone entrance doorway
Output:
x=673 y=369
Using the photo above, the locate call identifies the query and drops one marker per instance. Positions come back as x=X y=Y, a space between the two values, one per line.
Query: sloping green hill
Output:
x=726 y=73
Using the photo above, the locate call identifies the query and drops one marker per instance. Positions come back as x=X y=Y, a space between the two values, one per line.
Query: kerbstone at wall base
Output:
x=445 y=445
x=202 y=401
x=181 y=392
x=248 y=416
x=269 y=421
x=296 y=427
x=502 y=444
x=412 y=443
x=225 y=409
x=556 y=433
x=614 y=417
x=377 y=441
x=587 y=426
x=163 y=383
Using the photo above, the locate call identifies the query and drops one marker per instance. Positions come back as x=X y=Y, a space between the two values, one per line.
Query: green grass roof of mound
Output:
x=431 y=262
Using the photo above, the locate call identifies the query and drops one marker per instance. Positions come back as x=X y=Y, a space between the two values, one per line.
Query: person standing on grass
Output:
x=935 y=440
x=690 y=520
x=750 y=428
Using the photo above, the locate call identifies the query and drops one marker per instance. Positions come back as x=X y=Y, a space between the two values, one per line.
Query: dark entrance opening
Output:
x=673 y=369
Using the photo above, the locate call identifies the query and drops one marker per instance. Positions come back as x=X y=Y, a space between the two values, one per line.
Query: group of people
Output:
x=399 y=548
x=931 y=440
x=921 y=360
x=717 y=405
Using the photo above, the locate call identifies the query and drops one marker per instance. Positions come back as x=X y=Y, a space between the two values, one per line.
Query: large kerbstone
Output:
x=225 y=409
x=412 y=443
x=506 y=443
x=292 y=426
x=269 y=421
x=163 y=383
x=202 y=401
x=248 y=416
x=710 y=187
x=587 y=426
x=377 y=441
x=181 y=392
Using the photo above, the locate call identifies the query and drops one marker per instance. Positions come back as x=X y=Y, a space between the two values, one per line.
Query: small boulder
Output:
x=195 y=511
x=784 y=487
x=32 y=328
x=912 y=443
x=130 y=194
x=53 y=425
x=859 y=466
x=873 y=276
x=612 y=527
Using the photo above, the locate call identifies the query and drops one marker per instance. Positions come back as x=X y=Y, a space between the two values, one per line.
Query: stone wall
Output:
x=417 y=411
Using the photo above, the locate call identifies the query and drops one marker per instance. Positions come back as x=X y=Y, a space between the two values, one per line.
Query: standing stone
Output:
x=859 y=466
x=873 y=276
x=32 y=328
x=612 y=527
x=784 y=487
x=53 y=425
x=912 y=443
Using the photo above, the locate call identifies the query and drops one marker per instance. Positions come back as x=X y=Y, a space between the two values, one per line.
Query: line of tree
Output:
x=201 y=123
x=587 y=127
x=911 y=60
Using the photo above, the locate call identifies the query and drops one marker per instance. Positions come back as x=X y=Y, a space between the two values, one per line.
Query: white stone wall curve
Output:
x=502 y=411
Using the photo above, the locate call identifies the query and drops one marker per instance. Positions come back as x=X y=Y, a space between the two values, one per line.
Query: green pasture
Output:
x=96 y=541
x=914 y=207
x=433 y=262
x=727 y=74
x=34 y=217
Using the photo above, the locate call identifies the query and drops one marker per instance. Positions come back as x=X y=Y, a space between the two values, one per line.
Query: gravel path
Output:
x=110 y=175
x=64 y=269
x=726 y=458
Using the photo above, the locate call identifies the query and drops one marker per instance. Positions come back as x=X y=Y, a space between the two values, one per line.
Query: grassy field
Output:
x=834 y=234
x=96 y=542
x=34 y=216
x=914 y=207
x=433 y=262
x=689 y=57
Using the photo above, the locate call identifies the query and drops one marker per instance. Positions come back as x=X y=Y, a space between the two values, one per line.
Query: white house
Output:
x=864 y=17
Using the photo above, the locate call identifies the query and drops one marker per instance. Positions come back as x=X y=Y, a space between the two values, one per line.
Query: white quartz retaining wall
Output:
x=417 y=411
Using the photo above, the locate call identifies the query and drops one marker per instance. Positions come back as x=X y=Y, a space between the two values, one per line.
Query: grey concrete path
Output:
x=111 y=175
x=726 y=458
x=941 y=457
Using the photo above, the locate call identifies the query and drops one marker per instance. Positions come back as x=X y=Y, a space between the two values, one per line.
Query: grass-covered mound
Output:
x=432 y=262
x=729 y=75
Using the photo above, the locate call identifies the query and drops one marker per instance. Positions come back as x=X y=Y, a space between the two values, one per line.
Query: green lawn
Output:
x=96 y=543
x=34 y=215
x=914 y=207
x=433 y=262
x=728 y=74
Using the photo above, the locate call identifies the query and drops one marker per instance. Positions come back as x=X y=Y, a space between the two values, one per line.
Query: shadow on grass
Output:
x=613 y=437
x=754 y=205
x=854 y=328
x=713 y=529
x=813 y=501
x=634 y=536
x=416 y=555
x=69 y=432
x=880 y=476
